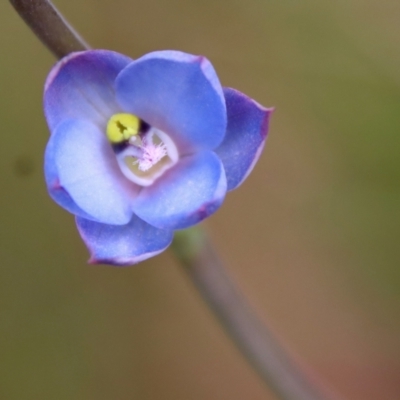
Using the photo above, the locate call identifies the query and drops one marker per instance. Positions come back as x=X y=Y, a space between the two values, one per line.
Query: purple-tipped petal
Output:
x=57 y=192
x=186 y=194
x=81 y=86
x=81 y=161
x=245 y=137
x=178 y=93
x=122 y=244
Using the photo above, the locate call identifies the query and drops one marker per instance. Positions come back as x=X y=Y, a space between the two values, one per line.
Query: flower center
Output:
x=143 y=152
x=122 y=127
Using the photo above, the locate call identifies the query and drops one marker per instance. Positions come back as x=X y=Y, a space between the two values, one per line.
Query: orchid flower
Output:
x=141 y=148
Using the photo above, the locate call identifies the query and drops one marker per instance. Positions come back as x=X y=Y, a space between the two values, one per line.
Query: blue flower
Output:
x=140 y=148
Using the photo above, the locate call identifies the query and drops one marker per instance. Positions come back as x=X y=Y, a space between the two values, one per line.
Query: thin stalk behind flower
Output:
x=274 y=365
x=50 y=26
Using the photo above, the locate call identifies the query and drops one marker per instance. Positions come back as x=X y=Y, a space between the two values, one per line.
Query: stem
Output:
x=50 y=26
x=275 y=366
x=259 y=346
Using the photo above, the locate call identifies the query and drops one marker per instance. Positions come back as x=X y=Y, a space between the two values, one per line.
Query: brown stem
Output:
x=259 y=346
x=50 y=26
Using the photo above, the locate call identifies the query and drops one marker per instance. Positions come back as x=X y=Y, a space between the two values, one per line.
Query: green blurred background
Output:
x=311 y=237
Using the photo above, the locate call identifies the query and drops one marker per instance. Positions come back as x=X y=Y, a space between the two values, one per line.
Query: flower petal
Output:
x=186 y=194
x=177 y=93
x=245 y=137
x=81 y=85
x=83 y=163
x=57 y=192
x=122 y=244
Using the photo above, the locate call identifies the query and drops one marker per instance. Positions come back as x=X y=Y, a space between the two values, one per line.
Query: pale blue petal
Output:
x=245 y=137
x=57 y=192
x=81 y=86
x=88 y=171
x=123 y=244
x=186 y=194
x=177 y=93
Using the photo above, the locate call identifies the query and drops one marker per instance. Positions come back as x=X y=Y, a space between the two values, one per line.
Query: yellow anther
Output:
x=122 y=127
